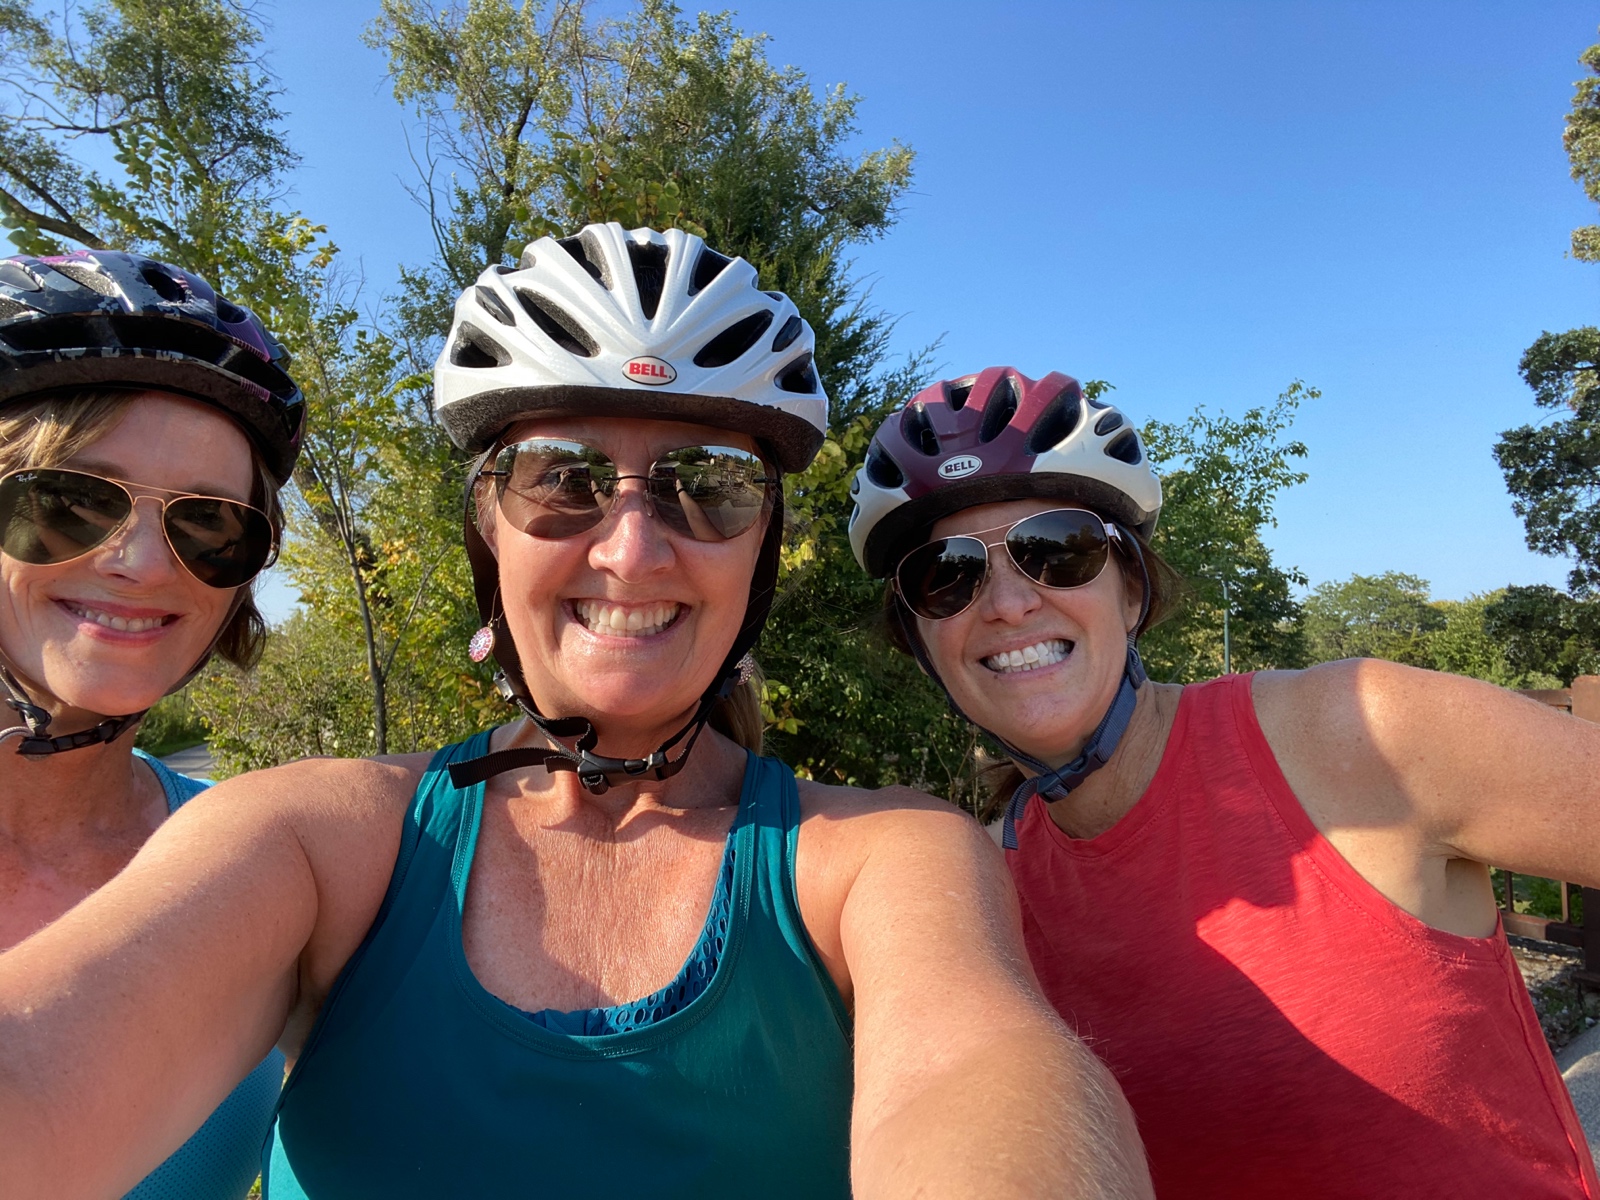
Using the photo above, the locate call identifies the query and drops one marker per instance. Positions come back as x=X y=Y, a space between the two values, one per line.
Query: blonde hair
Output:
x=50 y=429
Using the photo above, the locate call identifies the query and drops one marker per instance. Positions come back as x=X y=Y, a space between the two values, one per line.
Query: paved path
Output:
x=195 y=761
x=1580 y=1067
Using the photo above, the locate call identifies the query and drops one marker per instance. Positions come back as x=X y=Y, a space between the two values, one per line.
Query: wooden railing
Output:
x=1582 y=700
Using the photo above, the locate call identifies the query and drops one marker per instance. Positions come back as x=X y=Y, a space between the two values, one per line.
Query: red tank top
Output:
x=1280 y=1028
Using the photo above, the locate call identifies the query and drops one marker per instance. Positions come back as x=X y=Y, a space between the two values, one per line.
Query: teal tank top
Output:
x=416 y=1081
x=223 y=1158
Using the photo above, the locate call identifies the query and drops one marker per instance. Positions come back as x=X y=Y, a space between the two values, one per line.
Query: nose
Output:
x=1008 y=595
x=631 y=543
x=139 y=550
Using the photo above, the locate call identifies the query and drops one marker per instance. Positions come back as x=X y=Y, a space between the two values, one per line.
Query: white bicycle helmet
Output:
x=640 y=323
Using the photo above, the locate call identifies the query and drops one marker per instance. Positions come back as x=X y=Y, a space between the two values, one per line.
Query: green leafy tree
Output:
x=176 y=94
x=1372 y=616
x=1545 y=632
x=1552 y=469
x=1221 y=478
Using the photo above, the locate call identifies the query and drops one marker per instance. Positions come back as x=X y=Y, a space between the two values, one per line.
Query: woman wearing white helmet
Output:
x=146 y=425
x=1261 y=899
x=604 y=949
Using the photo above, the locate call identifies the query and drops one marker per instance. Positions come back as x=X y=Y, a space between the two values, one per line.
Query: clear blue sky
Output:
x=1199 y=202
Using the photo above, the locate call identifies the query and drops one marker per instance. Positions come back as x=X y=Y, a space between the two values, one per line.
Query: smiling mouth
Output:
x=1029 y=658
x=621 y=620
x=111 y=621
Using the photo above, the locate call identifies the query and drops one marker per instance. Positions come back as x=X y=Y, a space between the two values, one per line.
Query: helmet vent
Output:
x=557 y=325
x=649 y=274
x=229 y=312
x=588 y=256
x=733 y=341
x=706 y=268
x=165 y=285
x=998 y=410
x=1108 y=422
x=87 y=277
x=957 y=396
x=918 y=430
x=800 y=377
x=786 y=335
x=1055 y=423
x=502 y=269
x=883 y=470
x=1125 y=447
x=10 y=308
x=527 y=261
x=494 y=306
x=12 y=275
x=476 y=350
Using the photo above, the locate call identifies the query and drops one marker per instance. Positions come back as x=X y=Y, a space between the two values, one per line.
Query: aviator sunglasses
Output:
x=49 y=515
x=1060 y=548
x=558 y=489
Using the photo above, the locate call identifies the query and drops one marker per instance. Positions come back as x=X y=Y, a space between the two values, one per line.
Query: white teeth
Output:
x=1029 y=658
x=120 y=624
x=633 y=622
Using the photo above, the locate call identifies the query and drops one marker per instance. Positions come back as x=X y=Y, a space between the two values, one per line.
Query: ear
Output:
x=485 y=514
x=1132 y=596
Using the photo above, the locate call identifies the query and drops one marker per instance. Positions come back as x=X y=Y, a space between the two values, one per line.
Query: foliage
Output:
x=377 y=519
x=174 y=91
x=1371 y=616
x=1582 y=141
x=173 y=724
x=1552 y=469
x=1515 y=637
x=1221 y=478
x=1544 y=631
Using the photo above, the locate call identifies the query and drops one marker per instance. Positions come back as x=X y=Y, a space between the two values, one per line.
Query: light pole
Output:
x=1227 y=608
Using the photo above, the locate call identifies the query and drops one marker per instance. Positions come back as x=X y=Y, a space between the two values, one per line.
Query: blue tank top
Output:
x=733 y=1080
x=223 y=1158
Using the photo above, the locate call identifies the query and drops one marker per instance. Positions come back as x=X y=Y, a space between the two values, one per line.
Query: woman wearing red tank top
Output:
x=1264 y=900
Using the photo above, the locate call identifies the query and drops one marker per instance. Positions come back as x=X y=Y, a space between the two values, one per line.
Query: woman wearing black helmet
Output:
x=1264 y=898
x=605 y=949
x=145 y=426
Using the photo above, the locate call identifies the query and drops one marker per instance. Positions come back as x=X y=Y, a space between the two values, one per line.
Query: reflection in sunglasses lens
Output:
x=942 y=578
x=53 y=516
x=1065 y=548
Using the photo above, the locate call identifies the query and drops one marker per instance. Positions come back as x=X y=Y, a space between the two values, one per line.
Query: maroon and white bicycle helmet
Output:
x=997 y=435
x=106 y=317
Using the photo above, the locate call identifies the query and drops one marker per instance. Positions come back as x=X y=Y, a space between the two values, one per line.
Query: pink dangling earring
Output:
x=481 y=645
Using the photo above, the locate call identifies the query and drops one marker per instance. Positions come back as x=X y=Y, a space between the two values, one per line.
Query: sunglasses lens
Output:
x=709 y=493
x=1063 y=548
x=942 y=578
x=554 y=489
x=51 y=516
x=221 y=543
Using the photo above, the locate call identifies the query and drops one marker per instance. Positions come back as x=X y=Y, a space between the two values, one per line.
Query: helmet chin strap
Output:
x=1053 y=783
x=36 y=740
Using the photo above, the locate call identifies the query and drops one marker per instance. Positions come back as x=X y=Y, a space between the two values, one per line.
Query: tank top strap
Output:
x=769 y=829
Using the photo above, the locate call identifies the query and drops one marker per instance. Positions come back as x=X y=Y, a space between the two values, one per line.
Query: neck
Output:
x=1106 y=796
x=710 y=778
x=96 y=789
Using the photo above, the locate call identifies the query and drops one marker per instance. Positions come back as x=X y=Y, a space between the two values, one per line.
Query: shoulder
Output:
x=313 y=792
x=1368 y=702
x=851 y=826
